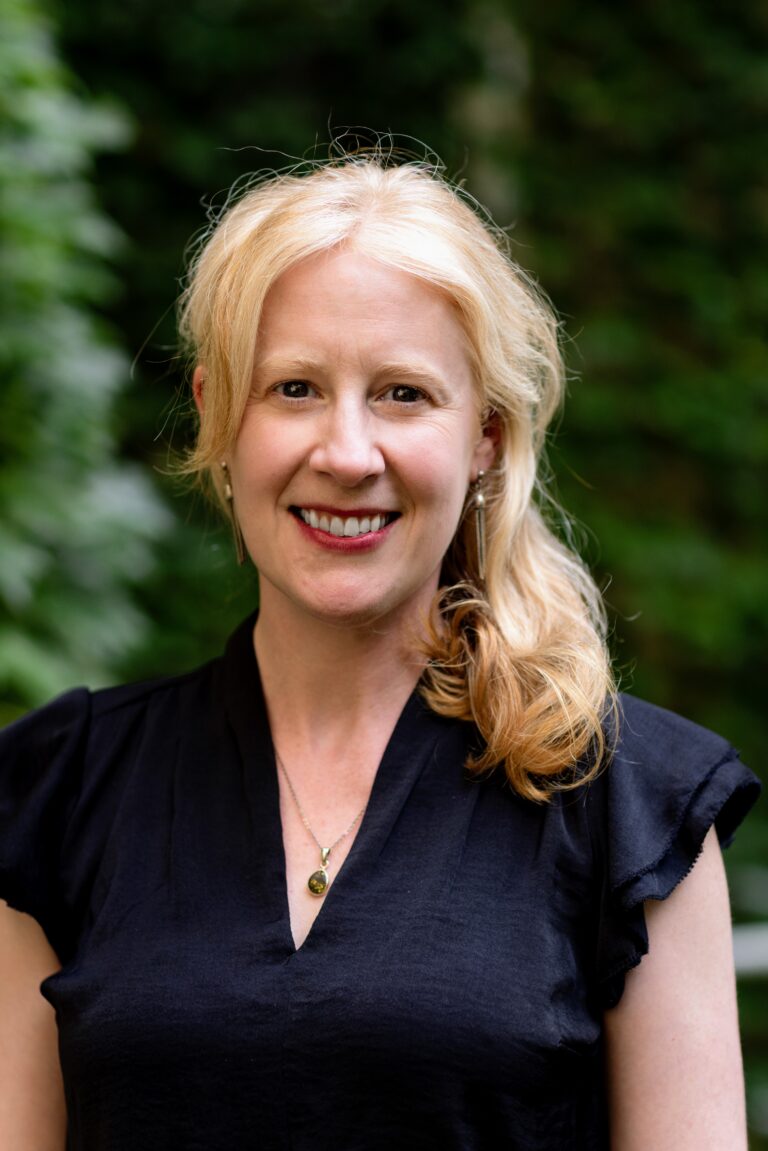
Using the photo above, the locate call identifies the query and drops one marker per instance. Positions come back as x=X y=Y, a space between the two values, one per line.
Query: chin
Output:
x=367 y=611
x=349 y=614
x=352 y=603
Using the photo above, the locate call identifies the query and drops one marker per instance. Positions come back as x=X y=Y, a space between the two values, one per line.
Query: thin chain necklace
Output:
x=317 y=883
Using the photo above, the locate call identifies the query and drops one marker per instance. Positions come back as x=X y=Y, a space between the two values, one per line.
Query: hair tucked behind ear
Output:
x=522 y=654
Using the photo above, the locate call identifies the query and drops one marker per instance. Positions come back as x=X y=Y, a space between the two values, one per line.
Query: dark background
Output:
x=626 y=152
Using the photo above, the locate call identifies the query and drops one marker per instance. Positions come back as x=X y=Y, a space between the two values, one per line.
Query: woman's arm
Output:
x=32 y=1112
x=674 y=1060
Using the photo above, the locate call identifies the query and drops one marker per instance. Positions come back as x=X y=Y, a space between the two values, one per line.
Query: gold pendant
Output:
x=318 y=880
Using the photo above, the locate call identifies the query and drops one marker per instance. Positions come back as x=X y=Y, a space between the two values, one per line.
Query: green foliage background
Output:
x=626 y=149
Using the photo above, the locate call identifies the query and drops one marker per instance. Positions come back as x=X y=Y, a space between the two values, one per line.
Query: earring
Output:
x=229 y=497
x=478 y=503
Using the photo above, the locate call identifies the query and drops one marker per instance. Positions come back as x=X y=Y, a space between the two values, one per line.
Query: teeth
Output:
x=351 y=527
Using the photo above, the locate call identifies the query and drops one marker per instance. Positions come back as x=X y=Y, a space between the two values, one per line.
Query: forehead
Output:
x=343 y=298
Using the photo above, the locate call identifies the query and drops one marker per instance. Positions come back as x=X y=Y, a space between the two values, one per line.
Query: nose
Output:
x=347 y=446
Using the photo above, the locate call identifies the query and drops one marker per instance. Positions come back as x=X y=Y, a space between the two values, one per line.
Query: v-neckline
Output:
x=245 y=705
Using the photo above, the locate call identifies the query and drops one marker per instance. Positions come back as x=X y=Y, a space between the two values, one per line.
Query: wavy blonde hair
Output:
x=522 y=653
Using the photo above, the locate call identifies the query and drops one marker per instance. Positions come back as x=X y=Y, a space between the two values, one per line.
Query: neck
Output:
x=321 y=677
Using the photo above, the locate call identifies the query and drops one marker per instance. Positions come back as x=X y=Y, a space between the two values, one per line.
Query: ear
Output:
x=198 y=379
x=487 y=447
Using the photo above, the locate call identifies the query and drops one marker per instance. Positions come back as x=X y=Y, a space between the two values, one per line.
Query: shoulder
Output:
x=125 y=702
x=76 y=712
x=669 y=777
x=85 y=741
x=668 y=782
x=95 y=724
x=63 y=772
x=651 y=735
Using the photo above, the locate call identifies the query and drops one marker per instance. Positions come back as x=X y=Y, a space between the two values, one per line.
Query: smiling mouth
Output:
x=348 y=527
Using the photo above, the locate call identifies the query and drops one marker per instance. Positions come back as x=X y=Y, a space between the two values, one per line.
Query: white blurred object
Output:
x=750 y=949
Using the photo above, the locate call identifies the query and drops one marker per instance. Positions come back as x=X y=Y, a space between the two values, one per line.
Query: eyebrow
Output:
x=411 y=374
x=406 y=372
x=296 y=364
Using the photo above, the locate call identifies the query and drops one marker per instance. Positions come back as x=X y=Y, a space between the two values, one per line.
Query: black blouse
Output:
x=451 y=990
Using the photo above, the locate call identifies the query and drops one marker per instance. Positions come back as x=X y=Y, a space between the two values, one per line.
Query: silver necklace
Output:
x=317 y=883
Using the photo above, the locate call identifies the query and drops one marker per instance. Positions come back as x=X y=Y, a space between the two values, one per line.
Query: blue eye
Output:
x=295 y=389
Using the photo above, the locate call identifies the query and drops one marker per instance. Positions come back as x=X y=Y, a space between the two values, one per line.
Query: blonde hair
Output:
x=521 y=654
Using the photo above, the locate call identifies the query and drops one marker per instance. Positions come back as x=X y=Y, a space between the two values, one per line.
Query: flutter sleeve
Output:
x=41 y=758
x=668 y=783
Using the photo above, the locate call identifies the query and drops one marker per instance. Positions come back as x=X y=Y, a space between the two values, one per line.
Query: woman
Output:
x=380 y=875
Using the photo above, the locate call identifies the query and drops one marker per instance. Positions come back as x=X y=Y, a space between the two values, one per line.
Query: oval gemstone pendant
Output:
x=318 y=882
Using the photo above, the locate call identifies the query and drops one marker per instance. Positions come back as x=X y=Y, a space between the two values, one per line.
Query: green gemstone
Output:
x=318 y=882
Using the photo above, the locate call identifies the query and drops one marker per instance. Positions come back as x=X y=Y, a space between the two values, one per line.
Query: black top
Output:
x=451 y=990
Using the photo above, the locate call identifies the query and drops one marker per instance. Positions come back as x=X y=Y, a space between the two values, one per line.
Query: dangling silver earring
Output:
x=478 y=504
x=236 y=532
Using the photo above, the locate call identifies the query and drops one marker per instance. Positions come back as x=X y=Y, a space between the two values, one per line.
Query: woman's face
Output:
x=358 y=443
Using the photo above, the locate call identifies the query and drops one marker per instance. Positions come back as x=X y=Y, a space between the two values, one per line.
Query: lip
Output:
x=368 y=541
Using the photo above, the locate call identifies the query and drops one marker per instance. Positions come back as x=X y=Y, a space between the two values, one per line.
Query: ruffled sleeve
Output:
x=41 y=759
x=668 y=783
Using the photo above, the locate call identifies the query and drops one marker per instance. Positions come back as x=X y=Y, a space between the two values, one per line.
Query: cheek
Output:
x=439 y=497
x=440 y=471
x=260 y=457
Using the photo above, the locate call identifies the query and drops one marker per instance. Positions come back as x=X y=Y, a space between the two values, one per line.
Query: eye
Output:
x=405 y=394
x=295 y=389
